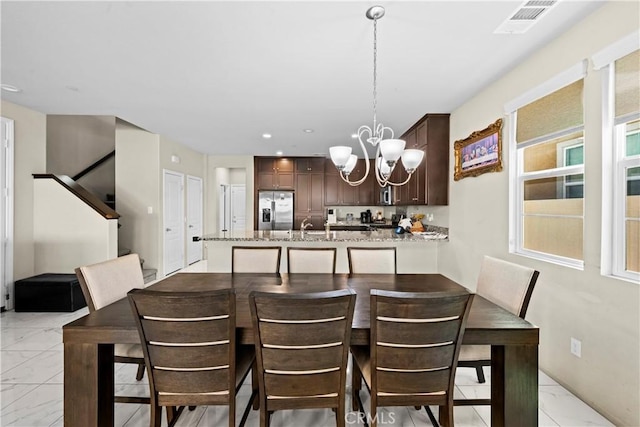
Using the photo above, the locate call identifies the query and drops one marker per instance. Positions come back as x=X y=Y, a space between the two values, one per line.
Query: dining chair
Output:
x=380 y=260
x=255 y=259
x=189 y=345
x=411 y=361
x=302 y=348
x=505 y=284
x=311 y=260
x=109 y=281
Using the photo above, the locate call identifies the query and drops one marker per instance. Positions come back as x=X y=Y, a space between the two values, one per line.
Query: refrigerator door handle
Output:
x=273 y=214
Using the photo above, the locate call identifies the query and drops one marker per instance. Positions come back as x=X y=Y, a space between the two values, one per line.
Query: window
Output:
x=621 y=168
x=547 y=196
x=573 y=184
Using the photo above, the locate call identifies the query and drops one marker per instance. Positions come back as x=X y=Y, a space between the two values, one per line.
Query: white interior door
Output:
x=238 y=208
x=6 y=214
x=173 y=221
x=194 y=218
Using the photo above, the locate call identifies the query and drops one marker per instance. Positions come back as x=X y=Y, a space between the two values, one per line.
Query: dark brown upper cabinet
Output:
x=274 y=173
x=429 y=184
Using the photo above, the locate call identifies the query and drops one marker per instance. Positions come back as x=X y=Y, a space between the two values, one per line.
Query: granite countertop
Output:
x=432 y=233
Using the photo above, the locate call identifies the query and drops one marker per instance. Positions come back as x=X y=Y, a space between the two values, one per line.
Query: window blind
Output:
x=557 y=111
x=627 y=83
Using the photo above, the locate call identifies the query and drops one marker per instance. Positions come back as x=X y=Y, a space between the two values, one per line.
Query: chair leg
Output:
x=140 y=372
x=480 y=374
x=265 y=417
x=245 y=414
x=446 y=415
x=432 y=417
x=156 y=416
x=356 y=385
x=173 y=413
x=254 y=384
x=340 y=412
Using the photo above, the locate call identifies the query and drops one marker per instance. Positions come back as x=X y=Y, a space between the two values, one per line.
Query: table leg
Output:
x=88 y=385
x=514 y=386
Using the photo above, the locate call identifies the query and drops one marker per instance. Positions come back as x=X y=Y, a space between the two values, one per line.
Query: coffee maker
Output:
x=365 y=217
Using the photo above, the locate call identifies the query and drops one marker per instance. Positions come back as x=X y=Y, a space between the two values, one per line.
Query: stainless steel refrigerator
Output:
x=275 y=210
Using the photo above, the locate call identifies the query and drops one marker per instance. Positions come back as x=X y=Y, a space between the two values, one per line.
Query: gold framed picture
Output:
x=479 y=153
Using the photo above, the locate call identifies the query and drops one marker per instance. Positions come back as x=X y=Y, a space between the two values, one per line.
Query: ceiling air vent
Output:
x=525 y=16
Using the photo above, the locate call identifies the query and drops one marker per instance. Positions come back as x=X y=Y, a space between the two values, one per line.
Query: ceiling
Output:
x=217 y=75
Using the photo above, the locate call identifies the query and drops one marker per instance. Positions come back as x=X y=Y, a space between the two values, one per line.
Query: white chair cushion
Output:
x=379 y=261
x=110 y=281
x=311 y=261
x=474 y=352
x=504 y=283
x=258 y=260
x=128 y=350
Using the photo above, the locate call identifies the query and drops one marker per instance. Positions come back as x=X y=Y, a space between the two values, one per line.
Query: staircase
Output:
x=149 y=274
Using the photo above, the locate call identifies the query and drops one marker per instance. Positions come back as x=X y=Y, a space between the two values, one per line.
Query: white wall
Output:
x=29 y=157
x=75 y=142
x=190 y=163
x=600 y=311
x=220 y=170
x=68 y=233
x=137 y=190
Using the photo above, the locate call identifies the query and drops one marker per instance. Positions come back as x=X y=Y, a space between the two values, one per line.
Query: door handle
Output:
x=191 y=226
x=167 y=229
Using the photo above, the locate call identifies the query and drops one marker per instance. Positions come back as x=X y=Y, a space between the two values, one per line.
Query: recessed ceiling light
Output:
x=308 y=131
x=354 y=135
x=266 y=135
x=279 y=153
x=10 y=88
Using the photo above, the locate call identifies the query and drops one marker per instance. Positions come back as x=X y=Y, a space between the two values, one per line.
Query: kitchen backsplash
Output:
x=440 y=214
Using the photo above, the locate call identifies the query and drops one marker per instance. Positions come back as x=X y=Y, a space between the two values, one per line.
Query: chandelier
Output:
x=388 y=149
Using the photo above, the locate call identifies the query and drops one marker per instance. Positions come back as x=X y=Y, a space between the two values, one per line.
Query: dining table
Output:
x=89 y=340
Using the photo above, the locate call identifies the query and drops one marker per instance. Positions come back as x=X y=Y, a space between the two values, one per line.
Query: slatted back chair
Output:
x=105 y=283
x=372 y=260
x=508 y=285
x=189 y=343
x=255 y=259
x=311 y=260
x=302 y=348
x=415 y=340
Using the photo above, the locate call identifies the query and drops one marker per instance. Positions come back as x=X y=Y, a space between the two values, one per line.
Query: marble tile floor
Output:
x=31 y=392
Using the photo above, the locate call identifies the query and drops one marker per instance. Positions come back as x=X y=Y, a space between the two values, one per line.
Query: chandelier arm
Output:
x=398 y=184
x=361 y=131
x=382 y=181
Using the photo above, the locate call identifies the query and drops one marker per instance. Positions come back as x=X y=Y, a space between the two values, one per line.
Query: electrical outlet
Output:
x=576 y=347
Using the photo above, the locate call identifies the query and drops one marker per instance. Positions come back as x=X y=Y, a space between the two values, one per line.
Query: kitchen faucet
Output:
x=304 y=225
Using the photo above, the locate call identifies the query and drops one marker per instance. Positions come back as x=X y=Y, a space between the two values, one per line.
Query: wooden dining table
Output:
x=88 y=341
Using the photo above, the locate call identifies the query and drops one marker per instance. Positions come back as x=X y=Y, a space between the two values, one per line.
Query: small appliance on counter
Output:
x=331 y=216
x=366 y=217
x=349 y=217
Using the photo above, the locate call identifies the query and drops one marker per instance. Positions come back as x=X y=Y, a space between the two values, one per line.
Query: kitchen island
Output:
x=416 y=253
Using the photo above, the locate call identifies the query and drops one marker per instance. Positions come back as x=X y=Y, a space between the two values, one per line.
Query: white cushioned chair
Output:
x=105 y=283
x=311 y=260
x=372 y=260
x=508 y=285
x=255 y=259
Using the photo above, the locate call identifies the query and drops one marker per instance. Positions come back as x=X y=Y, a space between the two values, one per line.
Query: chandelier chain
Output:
x=375 y=74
